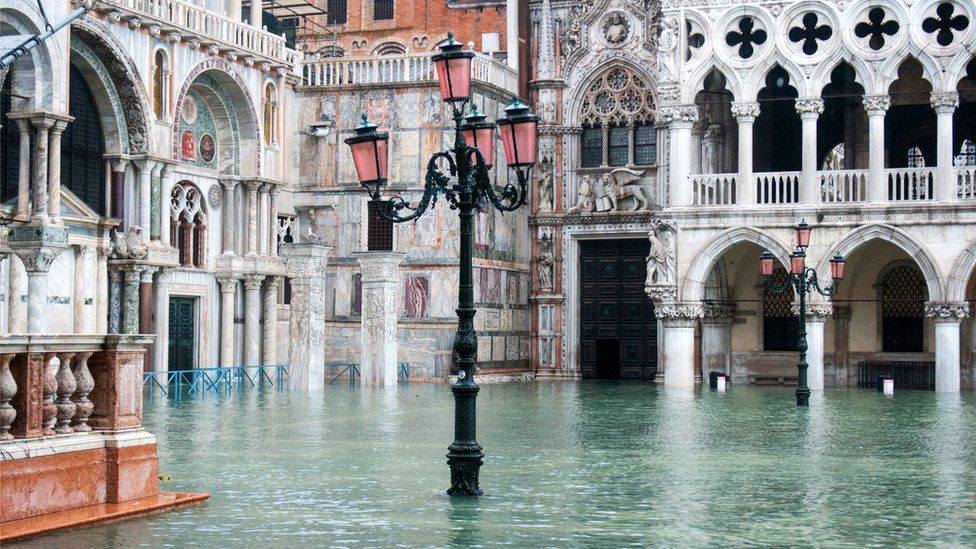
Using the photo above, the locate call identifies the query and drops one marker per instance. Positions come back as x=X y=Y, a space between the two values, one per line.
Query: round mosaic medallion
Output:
x=189 y=110
x=208 y=148
x=214 y=197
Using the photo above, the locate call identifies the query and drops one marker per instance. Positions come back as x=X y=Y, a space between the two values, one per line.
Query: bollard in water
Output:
x=888 y=386
x=720 y=384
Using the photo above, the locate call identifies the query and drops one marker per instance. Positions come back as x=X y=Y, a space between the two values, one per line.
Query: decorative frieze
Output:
x=816 y=312
x=947 y=311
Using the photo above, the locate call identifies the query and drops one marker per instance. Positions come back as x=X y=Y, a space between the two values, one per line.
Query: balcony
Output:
x=401 y=69
x=916 y=185
x=201 y=27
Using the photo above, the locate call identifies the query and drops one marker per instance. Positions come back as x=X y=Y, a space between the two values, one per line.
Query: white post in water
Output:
x=888 y=386
x=720 y=383
x=380 y=274
x=306 y=267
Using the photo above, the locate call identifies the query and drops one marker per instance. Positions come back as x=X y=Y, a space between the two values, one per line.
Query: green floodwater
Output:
x=567 y=465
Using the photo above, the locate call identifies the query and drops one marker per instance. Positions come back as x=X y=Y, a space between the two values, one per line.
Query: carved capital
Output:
x=944 y=103
x=679 y=315
x=716 y=312
x=816 y=312
x=678 y=113
x=745 y=111
x=38 y=259
x=227 y=285
x=947 y=311
x=876 y=104
x=253 y=281
x=380 y=266
x=809 y=108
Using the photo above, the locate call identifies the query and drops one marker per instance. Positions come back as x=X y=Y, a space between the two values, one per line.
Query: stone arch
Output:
x=697 y=81
x=573 y=107
x=822 y=78
x=223 y=88
x=133 y=101
x=697 y=275
x=888 y=233
x=890 y=72
x=31 y=74
x=114 y=124
x=963 y=269
x=757 y=77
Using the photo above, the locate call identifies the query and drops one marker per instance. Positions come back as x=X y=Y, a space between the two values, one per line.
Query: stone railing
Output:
x=411 y=68
x=66 y=384
x=713 y=189
x=192 y=22
x=838 y=186
x=910 y=184
x=966 y=182
x=778 y=188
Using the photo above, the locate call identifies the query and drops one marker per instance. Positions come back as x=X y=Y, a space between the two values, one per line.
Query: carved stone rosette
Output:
x=678 y=314
x=947 y=311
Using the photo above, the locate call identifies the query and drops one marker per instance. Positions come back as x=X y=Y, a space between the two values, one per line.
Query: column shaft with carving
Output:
x=252 y=217
x=380 y=273
x=306 y=267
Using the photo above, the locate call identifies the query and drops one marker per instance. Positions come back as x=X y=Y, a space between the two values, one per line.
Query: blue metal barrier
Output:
x=214 y=380
x=352 y=370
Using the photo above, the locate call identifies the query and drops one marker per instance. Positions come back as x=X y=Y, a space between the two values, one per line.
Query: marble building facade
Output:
x=700 y=133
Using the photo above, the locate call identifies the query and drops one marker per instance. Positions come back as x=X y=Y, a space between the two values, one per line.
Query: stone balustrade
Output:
x=184 y=20
x=401 y=69
x=66 y=384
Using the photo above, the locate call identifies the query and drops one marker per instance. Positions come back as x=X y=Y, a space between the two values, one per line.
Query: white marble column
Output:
x=37 y=261
x=678 y=353
x=380 y=275
x=6 y=290
x=717 y=337
x=54 y=170
x=42 y=128
x=810 y=110
x=946 y=186
x=817 y=314
x=165 y=189
x=16 y=307
x=82 y=310
x=745 y=114
x=23 y=175
x=252 y=319
x=272 y=233
x=876 y=106
x=255 y=13
x=306 y=266
x=145 y=194
x=711 y=146
x=161 y=345
x=101 y=289
x=263 y=225
x=681 y=119
x=270 y=355
x=252 y=217
x=229 y=215
x=948 y=320
x=228 y=289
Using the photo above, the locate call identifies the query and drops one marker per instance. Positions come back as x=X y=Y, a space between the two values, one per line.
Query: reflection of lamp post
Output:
x=802 y=279
x=469 y=165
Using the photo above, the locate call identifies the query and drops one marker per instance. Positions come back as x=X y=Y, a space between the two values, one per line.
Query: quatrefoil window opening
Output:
x=695 y=40
x=746 y=38
x=810 y=33
x=877 y=28
x=944 y=23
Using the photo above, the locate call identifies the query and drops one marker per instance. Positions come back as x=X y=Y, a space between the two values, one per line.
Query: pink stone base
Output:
x=32 y=487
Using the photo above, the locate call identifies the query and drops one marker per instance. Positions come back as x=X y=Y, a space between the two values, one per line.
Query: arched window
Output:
x=159 y=76
x=835 y=158
x=83 y=146
x=390 y=48
x=903 y=296
x=270 y=114
x=915 y=158
x=780 y=327
x=617 y=116
x=967 y=154
x=188 y=225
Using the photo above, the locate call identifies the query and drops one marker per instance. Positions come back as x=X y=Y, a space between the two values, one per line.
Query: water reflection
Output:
x=567 y=464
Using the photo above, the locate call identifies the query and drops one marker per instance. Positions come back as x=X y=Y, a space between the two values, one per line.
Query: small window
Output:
x=645 y=145
x=270 y=113
x=592 y=147
x=337 y=12
x=382 y=10
x=619 y=145
x=159 y=84
x=379 y=230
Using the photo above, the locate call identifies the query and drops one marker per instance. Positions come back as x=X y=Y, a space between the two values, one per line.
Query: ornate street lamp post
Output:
x=468 y=165
x=802 y=280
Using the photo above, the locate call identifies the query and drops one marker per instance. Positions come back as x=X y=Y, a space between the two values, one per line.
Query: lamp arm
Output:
x=511 y=197
x=814 y=282
x=780 y=288
x=434 y=182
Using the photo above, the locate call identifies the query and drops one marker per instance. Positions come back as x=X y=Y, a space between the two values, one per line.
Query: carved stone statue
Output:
x=586 y=201
x=616 y=29
x=545 y=186
x=666 y=45
x=130 y=245
x=661 y=266
x=623 y=183
x=546 y=262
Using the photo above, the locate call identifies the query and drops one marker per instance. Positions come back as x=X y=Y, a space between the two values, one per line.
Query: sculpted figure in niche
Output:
x=616 y=29
x=545 y=261
x=586 y=201
x=660 y=260
x=666 y=46
x=545 y=186
x=622 y=183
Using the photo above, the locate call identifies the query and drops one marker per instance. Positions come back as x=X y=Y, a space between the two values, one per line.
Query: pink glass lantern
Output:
x=837 y=266
x=453 y=70
x=803 y=235
x=369 y=154
x=479 y=134
x=519 y=132
x=766 y=264
x=797 y=262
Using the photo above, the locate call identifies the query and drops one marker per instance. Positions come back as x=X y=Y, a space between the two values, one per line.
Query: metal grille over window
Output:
x=382 y=10
x=337 y=12
x=592 y=147
x=780 y=328
x=645 y=145
x=82 y=146
x=379 y=230
x=903 y=297
x=620 y=102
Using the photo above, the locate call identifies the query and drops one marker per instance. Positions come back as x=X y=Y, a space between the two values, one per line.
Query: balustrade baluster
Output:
x=48 y=409
x=66 y=388
x=8 y=389
x=85 y=383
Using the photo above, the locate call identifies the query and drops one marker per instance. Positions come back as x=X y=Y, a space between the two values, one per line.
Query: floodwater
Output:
x=567 y=465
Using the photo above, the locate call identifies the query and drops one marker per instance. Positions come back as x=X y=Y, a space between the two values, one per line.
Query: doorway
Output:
x=182 y=333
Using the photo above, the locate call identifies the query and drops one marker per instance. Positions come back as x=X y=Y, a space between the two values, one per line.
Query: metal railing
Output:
x=399 y=69
x=351 y=371
x=907 y=375
x=213 y=380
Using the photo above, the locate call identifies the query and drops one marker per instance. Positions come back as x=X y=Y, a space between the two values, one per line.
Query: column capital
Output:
x=227 y=285
x=745 y=111
x=253 y=281
x=945 y=102
x=678 y=314
x=876 y=104
x=272 y=283
x=229 y=183
x=810 y=108
x=379 y=266
x=144 y=164
x=266 y=187
x=718 y=312
x=816 y=312
x=275 y=190
x=678 y=114
x=252 y=185
x=119 y=164
x=305 y=261
x=947 y=312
